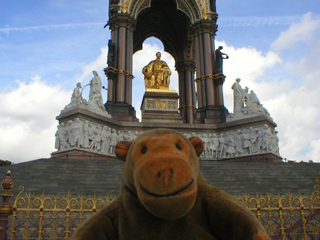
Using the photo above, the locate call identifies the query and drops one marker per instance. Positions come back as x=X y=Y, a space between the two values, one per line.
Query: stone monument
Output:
x=187 y=30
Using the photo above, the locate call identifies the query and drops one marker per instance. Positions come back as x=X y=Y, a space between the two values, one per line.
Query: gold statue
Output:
x=157 y=74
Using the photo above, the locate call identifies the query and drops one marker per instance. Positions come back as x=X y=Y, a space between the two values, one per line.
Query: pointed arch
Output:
x=194 y=9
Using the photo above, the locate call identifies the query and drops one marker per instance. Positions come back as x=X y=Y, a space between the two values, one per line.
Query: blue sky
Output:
x=48 y=46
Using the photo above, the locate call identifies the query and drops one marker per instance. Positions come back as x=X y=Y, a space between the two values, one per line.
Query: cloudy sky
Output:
x=46 y=47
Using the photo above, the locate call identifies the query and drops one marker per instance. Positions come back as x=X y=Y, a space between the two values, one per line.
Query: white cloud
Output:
x=298 y=118
x=257 y=21
x=298 y=32
x=9 y=29
x=248 y=64
x=27 y=121
x=97 y=65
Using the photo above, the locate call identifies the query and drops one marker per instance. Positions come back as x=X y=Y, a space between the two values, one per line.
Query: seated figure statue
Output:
x=76 y=97
x=157 y=74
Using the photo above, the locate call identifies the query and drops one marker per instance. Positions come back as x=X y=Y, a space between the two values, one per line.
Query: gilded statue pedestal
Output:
x=160 y=105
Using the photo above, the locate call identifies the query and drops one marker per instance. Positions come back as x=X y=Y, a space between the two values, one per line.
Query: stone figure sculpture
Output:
x=219 y=59
x=111 y=54
x=238 y=97
x=95 y=102
x=157 y=74
x=76 y=97
x=95 y=96
x=77 y=94
x=213 y=5
x=245 y=102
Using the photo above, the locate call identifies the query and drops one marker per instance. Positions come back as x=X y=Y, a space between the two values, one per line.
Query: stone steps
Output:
x=104 y=176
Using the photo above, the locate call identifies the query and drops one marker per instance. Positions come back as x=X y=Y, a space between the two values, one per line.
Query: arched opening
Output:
x=164 y=21
x=141 y=58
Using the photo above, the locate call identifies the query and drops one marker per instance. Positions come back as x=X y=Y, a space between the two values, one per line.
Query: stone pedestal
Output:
x=160 y=106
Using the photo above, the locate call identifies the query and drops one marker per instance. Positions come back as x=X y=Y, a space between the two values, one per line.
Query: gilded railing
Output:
x=55 y=216
x=48 y=216
x=287 y=216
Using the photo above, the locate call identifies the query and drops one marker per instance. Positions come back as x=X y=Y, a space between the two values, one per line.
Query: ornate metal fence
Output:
x=52 y=216
x=287 y=216
x=56 y=217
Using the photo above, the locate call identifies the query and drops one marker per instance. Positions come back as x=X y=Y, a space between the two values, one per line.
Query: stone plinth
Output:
x=258 y=157
x=80 y=154
x=83 y=134
x=160 y=106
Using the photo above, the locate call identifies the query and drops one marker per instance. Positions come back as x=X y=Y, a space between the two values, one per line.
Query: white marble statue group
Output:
x=95 y=102
x=245 y=141
x=245 y=102
x=79 y=133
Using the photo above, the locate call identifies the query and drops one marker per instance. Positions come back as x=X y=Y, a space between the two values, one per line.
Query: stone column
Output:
x=210 y=96
x=120 y=77
x=120 y=89
x=199 y=67
x=187 y=94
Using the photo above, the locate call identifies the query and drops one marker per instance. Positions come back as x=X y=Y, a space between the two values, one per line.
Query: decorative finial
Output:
x=7 y=183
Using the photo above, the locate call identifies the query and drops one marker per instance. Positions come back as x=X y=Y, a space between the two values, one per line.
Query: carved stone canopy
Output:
x=164 y=21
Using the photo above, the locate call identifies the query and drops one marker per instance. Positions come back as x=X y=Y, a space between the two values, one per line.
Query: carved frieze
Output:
x=84 y=134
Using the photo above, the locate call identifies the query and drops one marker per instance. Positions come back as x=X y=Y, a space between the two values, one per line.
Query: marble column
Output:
x=209 y=88
x=119 y=103
x=187 y=94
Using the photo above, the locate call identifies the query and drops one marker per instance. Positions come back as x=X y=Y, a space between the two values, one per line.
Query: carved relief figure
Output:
x=85 y=135
x=96 y=139
x=69 y=132
x=238 y=140
x=231 y=146
x=113 y=141
x=75 y=133
x=246 y=141
x=223 y=145
x=215 y=146
x=157 y=74
x=105 y=139
x=61 y=141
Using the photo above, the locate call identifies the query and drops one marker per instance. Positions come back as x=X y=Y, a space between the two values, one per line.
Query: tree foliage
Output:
x=5 y=162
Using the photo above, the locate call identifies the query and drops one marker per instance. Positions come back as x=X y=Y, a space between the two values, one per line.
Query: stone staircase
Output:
x=104 y=176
